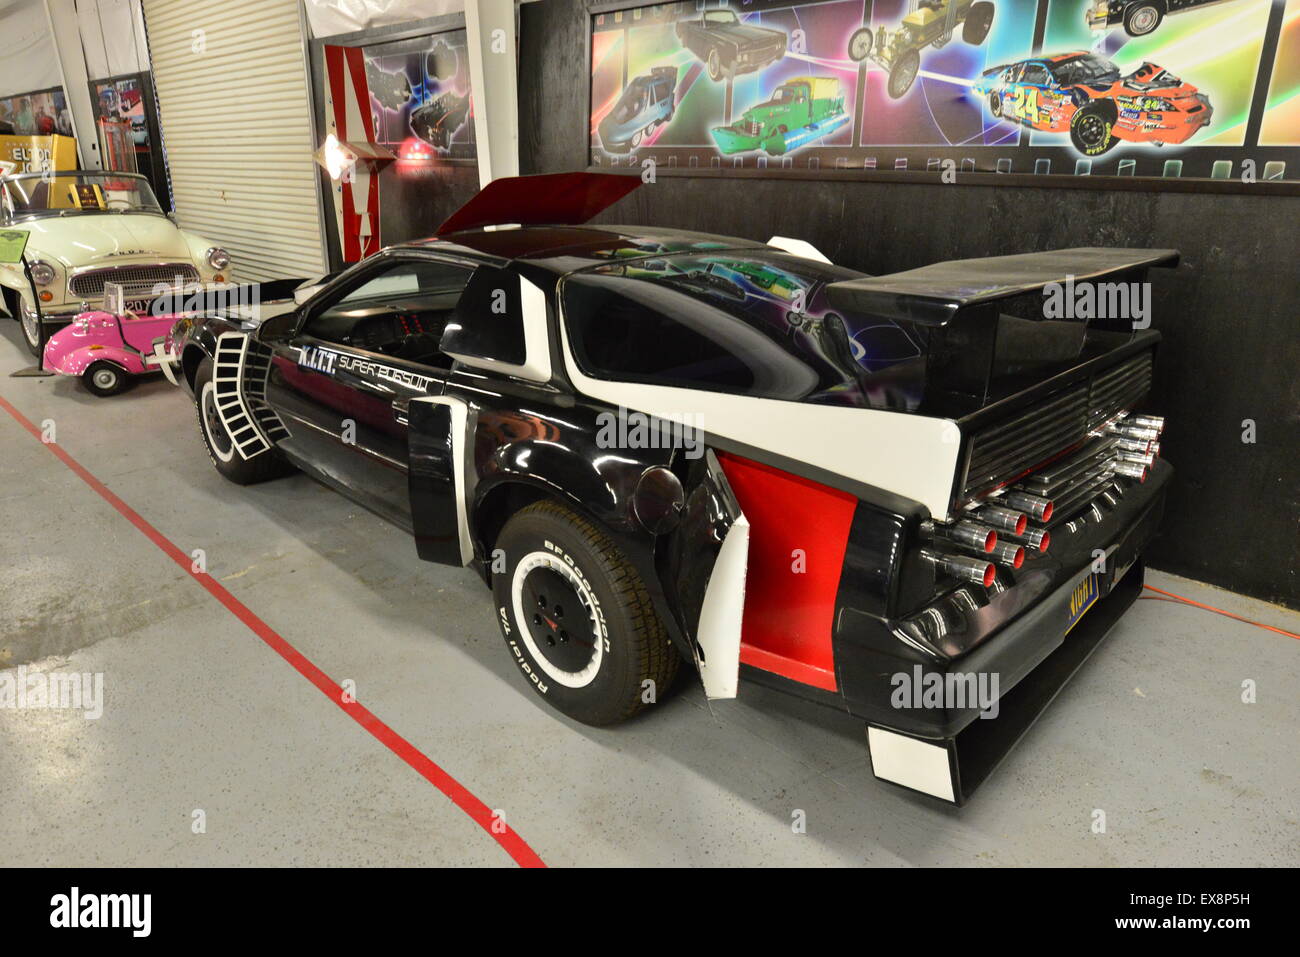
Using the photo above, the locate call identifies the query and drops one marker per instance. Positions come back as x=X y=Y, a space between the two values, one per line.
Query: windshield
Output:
x=750 y=322
x=1089 y=68
x=69 y=194
x=720 y=16
x=787 y=94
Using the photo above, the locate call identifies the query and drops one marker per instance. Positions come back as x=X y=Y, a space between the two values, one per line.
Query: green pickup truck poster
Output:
x=1151 y=88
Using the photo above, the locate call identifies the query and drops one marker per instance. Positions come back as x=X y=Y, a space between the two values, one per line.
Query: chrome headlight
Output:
x=43 y=273
x=217 y=257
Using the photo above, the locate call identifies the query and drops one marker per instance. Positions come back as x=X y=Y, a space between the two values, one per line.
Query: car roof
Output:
x=564 y=249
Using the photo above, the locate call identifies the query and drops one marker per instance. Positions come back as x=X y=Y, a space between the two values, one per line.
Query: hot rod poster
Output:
x=1150 y=88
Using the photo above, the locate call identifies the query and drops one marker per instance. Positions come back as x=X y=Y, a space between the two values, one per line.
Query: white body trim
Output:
x=911 y=455
x=722 y=615
x=459 y=428
x=798 y=247
x=911 y=762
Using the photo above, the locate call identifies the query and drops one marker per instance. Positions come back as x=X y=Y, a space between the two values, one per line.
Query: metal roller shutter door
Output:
x=236 y=126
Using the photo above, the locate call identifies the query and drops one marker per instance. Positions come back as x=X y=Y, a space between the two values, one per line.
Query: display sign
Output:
x=36 y=154
x=86 y=196
x=1076 y=87
x=13 y=243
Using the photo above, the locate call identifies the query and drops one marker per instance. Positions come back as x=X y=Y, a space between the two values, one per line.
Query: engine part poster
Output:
x=1151 y=88
x=419 y=92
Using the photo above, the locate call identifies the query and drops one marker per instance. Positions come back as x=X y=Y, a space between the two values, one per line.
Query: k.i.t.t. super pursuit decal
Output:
x=332 y=362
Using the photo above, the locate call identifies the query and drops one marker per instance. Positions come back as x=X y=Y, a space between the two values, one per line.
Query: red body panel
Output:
x=799 y=530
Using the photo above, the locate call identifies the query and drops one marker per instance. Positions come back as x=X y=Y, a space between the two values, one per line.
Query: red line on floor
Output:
x=1220 y=611
x=479 y=812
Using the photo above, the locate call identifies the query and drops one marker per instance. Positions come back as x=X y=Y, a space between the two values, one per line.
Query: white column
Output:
x=62 y=15
x=490 y=25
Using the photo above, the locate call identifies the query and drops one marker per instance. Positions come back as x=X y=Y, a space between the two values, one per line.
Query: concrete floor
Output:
x=201 y=714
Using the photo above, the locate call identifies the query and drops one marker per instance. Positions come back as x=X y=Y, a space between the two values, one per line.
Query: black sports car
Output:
x=648 y=468
x=438 y=120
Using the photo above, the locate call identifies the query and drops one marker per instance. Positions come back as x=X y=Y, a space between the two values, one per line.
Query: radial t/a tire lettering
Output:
x=577 y=618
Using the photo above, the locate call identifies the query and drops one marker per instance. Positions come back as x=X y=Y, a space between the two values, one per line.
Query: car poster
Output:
x=419 y=92
x=1152 y=88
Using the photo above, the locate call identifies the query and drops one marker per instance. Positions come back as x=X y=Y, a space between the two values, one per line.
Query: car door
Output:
x=342 y=377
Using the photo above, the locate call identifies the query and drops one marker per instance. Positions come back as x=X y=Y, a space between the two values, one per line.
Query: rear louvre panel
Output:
x=1007 y=450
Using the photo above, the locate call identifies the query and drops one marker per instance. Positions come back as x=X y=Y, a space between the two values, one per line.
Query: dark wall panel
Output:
x=1229 y=314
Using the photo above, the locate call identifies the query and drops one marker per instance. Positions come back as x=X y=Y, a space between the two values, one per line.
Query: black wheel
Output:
x=578 y=619
x=903 y=74
x=715 y=65
x=979 y=18
x=860 y=44
x=1091 y=128
x=221 y=448
x=995 y=103
x=104 y=378
x=1143 y=19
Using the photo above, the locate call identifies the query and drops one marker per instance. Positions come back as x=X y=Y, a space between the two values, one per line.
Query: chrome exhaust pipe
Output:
x=1006 y=553
x=1003 y=519
x=1156 y=422
x=981 y=538
x=1135 y=445
x=1133 y=431
x=1133 y=470
x=1035 y=538
x=1039 y=508
x=962 y=567
x=1144 y=459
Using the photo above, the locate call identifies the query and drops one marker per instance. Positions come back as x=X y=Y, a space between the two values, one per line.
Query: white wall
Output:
x=27 y=59
x=112 y=36
x=329 y=18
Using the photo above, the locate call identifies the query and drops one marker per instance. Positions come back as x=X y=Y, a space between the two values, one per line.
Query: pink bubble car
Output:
x=108 y=351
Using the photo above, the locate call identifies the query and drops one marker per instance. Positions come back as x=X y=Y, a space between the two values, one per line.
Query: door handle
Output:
x=401 y=410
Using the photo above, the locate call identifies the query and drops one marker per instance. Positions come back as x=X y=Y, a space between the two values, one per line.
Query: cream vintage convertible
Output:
x=88 y=228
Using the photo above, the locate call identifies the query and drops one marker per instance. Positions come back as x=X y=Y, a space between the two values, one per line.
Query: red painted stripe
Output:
x=787 y=667
x=479 y=812
x=356 y=64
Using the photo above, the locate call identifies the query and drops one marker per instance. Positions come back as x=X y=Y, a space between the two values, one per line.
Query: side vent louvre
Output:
x=227 y=384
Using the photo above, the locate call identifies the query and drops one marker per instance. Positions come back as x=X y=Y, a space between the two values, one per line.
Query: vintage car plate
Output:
x=1084 y=597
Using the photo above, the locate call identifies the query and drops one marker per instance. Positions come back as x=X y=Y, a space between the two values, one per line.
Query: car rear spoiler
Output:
x=550 y=199
x=954 y=305
x=935 y=295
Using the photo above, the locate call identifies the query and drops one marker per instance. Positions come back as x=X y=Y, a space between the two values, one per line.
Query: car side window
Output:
x=1036 y=75
x=399 y=311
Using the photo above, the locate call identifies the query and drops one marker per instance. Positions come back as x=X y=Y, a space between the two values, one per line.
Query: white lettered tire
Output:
x=577 y=618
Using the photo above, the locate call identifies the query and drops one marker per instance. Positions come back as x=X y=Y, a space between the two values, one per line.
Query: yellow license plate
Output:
x=1084 y=597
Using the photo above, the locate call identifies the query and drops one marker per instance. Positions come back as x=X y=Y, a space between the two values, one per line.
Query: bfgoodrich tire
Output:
x=221 y=449
x=577 y=618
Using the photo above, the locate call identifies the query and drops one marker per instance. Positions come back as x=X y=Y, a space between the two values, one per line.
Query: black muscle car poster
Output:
x=1153 y=88
x=419 y=91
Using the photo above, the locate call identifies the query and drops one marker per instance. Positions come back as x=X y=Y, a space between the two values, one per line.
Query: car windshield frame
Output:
x=727 y=17
x=12 y=212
